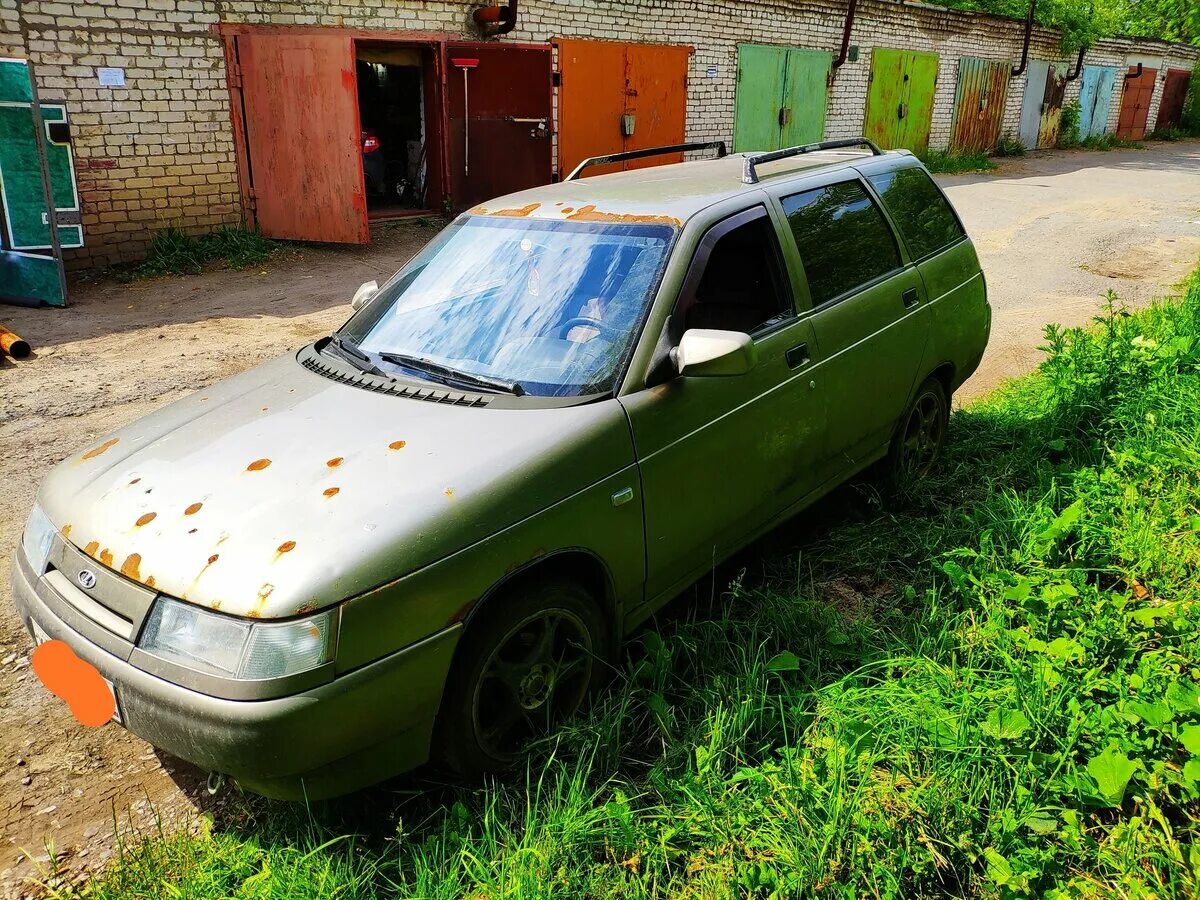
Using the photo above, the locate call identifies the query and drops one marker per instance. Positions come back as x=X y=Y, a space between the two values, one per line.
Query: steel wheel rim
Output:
x=536 y=677
x=922 y=438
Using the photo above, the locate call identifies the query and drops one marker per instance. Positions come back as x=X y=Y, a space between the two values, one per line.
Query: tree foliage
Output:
x=1083 y=22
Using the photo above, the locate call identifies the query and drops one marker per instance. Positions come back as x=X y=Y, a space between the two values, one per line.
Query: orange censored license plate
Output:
x=88 y=693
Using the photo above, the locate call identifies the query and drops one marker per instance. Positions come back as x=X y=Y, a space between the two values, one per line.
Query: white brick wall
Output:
x=160 y=151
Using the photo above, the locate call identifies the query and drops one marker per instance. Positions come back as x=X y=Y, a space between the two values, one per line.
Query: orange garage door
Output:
x=615 y=97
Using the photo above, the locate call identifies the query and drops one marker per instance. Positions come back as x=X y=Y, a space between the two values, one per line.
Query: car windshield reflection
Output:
x=551 y=306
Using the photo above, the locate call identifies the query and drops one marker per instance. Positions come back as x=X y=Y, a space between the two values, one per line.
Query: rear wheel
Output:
x=524 y=666
x=921 y=435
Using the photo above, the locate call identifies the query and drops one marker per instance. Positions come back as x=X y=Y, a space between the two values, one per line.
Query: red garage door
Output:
x=300 y=115
x=1135 y=103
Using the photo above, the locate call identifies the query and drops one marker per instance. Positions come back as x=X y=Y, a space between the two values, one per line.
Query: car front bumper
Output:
x=362 y=727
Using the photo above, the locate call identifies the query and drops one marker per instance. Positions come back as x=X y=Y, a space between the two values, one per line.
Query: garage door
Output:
x=1170 y=107
x=979 y=104
x=615 y=97
x=900 y=99
x=302 y=138
x=780 y=98
x=1135 y=103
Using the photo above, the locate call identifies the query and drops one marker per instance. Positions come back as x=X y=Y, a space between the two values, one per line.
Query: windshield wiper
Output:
x=450 y=376
x=355 y=354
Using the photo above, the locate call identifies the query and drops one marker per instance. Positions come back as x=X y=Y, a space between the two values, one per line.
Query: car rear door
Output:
x=869 y=313
x=721 y=458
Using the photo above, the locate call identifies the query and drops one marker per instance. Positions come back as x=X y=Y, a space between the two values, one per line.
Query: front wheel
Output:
x=921 y=434
x=525 y=665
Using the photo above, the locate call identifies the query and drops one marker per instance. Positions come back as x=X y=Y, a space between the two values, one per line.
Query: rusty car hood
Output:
x=279 y=491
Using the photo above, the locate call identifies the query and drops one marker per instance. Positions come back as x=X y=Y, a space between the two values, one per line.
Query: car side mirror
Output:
x=706 y=352
x=365 y=292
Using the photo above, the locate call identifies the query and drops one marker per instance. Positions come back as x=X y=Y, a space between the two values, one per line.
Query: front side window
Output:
x=919 y=209
x=843 y=239
x=550 y=307
x=742 y=288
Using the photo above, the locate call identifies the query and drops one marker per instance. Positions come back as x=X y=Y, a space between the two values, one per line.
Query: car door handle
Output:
x=797 y=356
x=910 y=298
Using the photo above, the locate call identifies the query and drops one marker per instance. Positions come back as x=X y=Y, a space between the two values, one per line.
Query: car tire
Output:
x=920 y=435
x=525 y=664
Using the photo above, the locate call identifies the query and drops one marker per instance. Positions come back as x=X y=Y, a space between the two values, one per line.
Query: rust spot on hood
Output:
x=212 y=559
x=589 y=213
x=397 y=445
x=258 y=465
x=305 y=608
x=263 y=593
x=193 y=509
x=145 y=519
x=134 y=481
x=106 y=557
x=285 y=547
x=66 y=531
x=449 y=492
x=335 y=462
x=150 y=582
x=91 y=548
x=330 y=492
x=519 y=212
x=96 y=451
x=131 y=568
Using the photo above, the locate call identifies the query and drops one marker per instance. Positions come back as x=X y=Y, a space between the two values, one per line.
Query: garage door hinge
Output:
x=252 y=197
x=235 y=75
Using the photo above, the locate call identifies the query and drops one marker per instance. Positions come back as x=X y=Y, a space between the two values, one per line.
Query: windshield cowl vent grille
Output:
x=311 y=359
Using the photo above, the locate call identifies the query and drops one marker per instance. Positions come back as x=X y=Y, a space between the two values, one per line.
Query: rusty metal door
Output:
x=302 y=157
x=615 y=97
x=979 y=104
x=1031 y=103
x=499 y=103
x=1170 y=107
x=1052 y=103
x=1135 y=103
x=1095 y=99
x=900 y=98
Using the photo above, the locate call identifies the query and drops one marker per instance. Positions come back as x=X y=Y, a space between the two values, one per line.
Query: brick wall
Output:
x=159 y=151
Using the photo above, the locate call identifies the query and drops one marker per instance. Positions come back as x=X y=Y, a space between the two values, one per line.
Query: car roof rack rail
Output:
x=719 y=146
x=750 y=176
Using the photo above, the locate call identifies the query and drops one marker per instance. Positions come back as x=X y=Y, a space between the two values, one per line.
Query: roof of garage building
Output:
x=668 y=194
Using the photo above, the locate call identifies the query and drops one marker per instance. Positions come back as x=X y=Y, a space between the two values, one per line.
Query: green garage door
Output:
x=781 y=94
x=900 y=99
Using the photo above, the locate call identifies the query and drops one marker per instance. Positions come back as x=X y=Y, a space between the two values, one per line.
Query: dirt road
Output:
x=1055 y=232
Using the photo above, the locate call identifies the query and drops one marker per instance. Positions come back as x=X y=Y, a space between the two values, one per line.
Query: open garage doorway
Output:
x=335 y=128
x=393 y=83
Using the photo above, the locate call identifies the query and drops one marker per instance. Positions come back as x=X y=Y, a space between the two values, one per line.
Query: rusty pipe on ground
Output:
x=1078 y=66
x=13 y=344
x=845 y=49
x=1020 y=69
x=496 y=20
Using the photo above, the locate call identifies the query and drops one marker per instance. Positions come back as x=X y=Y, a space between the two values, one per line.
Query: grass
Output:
x=175 y=252
x=950 y=162
x=986 y=687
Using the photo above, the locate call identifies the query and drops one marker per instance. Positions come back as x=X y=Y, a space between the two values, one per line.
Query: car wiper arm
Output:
x=448 y=373
x=349 y=349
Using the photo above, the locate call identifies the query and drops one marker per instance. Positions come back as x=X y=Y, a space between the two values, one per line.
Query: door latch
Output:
x=910 y=298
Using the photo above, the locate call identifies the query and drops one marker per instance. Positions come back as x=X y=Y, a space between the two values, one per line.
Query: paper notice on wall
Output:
x=111 y=77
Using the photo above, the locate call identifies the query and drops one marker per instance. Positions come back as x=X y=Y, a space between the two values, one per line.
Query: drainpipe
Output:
x=1078 y=66
x=496 y=20
x=1020 y=70
x=1129 y=76
x=844 y=52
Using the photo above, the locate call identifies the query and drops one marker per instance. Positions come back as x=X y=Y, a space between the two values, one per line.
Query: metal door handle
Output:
x=910 y=298
x=797 y=356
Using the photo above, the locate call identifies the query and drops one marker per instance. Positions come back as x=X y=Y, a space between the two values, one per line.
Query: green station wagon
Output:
x=425 y=535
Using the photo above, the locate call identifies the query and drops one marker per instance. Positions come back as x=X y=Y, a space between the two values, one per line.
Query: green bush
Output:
x=1010 y=146
x=988 y=687
x=1191 y=108
x=1068 y=127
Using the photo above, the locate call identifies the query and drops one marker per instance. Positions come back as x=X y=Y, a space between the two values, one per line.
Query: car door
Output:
x=869 y=314
x=721 y=458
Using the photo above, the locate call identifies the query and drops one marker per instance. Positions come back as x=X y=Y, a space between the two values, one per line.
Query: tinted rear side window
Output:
x=843 y=239
x=919 y=209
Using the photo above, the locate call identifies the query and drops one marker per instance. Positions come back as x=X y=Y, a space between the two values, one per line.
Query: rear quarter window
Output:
x=919 y=209
x=843 y=239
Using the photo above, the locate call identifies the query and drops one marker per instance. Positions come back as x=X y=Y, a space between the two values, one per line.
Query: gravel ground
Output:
x=1055 y=231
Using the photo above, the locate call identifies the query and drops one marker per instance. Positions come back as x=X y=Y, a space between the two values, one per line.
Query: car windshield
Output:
x=550 y=308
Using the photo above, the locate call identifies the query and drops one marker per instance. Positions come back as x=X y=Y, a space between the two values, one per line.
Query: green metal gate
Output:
x=781 y=96
x=900 y=98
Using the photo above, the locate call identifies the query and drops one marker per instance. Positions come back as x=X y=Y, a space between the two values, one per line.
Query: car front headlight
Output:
x=37 y=539
x=237 y=648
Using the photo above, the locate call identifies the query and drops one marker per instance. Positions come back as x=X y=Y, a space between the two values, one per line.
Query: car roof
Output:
x=669 y=194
